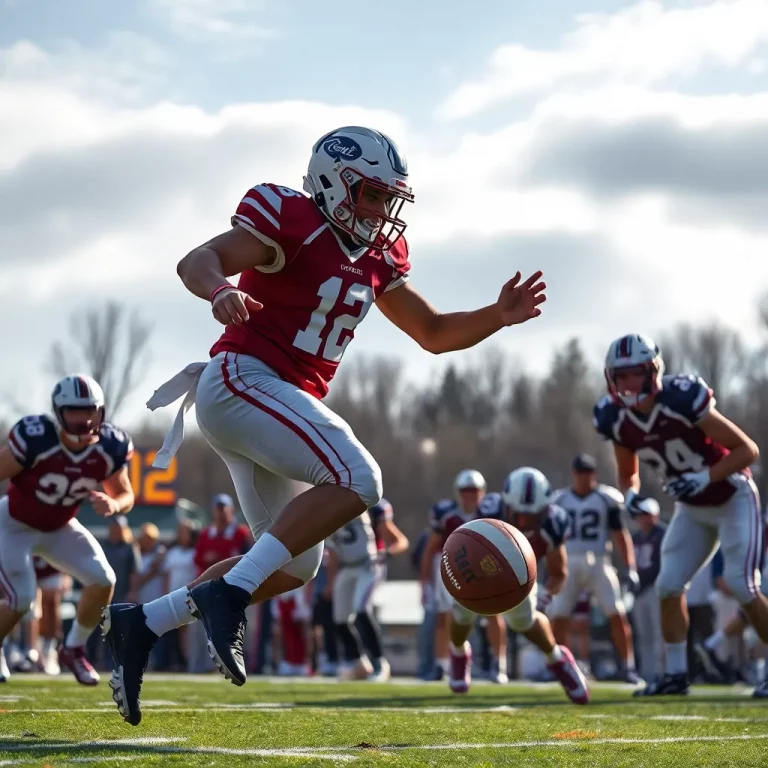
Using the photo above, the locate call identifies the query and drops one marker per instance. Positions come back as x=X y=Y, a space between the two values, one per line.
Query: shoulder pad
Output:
x=604 y=417
x=117 y=444
x=443 y=506
x=492 y=505
x=557 y=522
x=687 y=395
x=614 y=495
x=31 y=437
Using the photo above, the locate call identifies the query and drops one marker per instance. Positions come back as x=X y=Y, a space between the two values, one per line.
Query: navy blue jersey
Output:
x=47 y=493
x=667 y=439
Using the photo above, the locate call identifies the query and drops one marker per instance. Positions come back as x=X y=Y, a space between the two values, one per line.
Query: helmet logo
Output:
x=342 y=147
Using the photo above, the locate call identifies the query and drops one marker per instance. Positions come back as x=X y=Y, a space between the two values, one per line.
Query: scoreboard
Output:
x=152 y=486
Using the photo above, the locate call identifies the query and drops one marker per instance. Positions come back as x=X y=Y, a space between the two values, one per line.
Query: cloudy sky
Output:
x=619 y=146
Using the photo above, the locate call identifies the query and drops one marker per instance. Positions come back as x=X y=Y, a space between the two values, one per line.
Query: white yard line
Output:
x=674 y=718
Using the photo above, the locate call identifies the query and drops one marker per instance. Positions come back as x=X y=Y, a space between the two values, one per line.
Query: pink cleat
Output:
x=460 y=675
x=571 y=677
x=74 y=659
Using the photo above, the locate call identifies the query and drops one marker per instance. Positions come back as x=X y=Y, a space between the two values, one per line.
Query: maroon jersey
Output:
x=213 y=547
x=315 y=293
x=446 y=516
x=667 y=438
x=48 y=491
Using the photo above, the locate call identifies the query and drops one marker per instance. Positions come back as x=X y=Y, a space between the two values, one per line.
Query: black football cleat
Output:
x=713 y=667
x=665 y=685
x=761 y=692
x=221 y=608
x=124 y=629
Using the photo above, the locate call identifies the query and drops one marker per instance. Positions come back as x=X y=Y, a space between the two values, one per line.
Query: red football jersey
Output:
x=315 y=293
x=48 y=492
x=213 y=547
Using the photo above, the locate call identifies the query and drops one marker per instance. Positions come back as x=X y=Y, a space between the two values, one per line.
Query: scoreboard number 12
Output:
x=152 y=486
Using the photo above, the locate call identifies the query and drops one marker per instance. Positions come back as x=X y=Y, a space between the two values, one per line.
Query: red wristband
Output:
x=216 y=291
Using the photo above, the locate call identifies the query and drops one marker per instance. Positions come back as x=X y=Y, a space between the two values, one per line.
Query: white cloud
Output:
x=213 y=21
x=644 y=44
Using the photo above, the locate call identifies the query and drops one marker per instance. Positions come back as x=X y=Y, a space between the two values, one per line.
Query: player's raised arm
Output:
x=9 y=466
x=204 y=271
x=439 y=332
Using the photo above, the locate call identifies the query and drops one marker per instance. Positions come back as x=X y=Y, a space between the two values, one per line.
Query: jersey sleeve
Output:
x=556 y=526
x=118 y=446
x=398 y=257
x=30 y=438
x=604 y=418
x=437 y=515
x=690 y=396
x=492 y=506
x=269 y=213
x=614 y=504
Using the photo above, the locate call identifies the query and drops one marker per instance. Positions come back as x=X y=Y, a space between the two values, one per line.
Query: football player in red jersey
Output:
x=525 y=503
x=53 y=465
x=310 y=269
x=671 y=424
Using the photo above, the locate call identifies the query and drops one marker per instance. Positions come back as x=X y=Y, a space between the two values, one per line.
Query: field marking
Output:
x=674 y=718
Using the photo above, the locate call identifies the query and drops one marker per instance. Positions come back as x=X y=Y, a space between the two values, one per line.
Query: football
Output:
x=488 y=566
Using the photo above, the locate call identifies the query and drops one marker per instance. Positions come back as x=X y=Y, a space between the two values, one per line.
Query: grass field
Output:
x=207 y=722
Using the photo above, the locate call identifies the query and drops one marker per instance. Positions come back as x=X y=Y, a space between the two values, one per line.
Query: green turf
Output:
x=186 y=720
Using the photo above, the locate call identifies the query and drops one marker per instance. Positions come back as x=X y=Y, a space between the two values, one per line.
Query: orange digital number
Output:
x=155 y=479
x=135 y=473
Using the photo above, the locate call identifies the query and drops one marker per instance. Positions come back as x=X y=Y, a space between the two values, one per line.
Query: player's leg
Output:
x=366 y=624
x=563 y=603
x=579 y=638
x=461 y=623
x=354 y=666
x=688 y=545
x=74 y=550
x=444 y=605
x=536 y=628
x=17 y=572
x=51 y=589
x=604 y=585
x=647 y=618
x=245 y=407
x=497 y=637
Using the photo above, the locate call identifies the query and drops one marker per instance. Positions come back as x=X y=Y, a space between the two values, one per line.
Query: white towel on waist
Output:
x=183 y=383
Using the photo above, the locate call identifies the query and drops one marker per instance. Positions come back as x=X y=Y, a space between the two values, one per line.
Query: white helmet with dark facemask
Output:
x=78 y=392
x=634 y=352
x=345 y=163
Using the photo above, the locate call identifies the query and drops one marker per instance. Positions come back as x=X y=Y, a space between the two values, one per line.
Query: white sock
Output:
x=555 y=655
x=443 y=663
x=458 y=650
x=677 y=658
x=502 y=664
x=49 y=645
x=265 y=557
x=78 y=635
x=630 y=662
x=713 y=641
x=168 y=612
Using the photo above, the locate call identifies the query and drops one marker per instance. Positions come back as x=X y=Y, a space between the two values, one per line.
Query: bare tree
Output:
x=109 y=343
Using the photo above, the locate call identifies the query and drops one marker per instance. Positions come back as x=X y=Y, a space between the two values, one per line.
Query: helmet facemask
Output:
x=80 y=430
x=651 y=383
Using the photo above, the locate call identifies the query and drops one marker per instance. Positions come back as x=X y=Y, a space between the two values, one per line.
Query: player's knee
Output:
x=101 y=576
x=668 y=586
x=306 y=565
x=367 y=483
x=462 y=615
x=743 y=588
x=522 y=618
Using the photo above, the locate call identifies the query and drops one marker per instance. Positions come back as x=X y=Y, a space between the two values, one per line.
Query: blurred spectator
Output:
x=123 y=555
x=327 y=661
x=223 y=539
x=179 y=570
x=426 y=637
x=646 y=613
x=148 y=583
x=292 y=615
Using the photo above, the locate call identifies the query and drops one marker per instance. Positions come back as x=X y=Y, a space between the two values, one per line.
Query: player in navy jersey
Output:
x=445 y=517
x=526 y=504
x=53 y=465
x=671 y=424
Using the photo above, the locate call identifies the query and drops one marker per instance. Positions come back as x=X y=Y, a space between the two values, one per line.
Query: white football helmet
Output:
x=469 y=479
x=527 y=491
x=638 y=352
x=78 y=392
x=346 y=161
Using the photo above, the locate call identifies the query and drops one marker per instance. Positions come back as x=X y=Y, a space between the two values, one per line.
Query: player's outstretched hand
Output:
x=233 y=306
x=102 y=504
x=519 y=302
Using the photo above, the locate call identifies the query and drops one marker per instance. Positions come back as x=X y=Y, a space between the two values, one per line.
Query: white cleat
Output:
x=5 y=673
x=384 y=673
x=356 y=670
